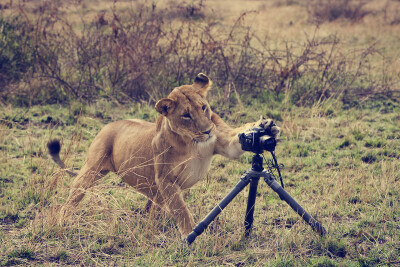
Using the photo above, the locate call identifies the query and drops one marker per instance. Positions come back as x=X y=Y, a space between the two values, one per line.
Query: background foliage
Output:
x=140 y=53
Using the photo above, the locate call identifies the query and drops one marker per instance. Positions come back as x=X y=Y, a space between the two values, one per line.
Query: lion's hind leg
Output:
x=91 y=171
x=85 y=180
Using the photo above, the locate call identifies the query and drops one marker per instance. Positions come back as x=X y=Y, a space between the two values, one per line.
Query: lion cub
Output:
x=161 y=159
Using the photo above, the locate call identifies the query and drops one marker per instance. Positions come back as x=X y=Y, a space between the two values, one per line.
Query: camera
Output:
x=257 y=140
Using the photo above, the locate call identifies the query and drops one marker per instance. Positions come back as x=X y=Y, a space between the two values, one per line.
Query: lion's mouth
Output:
x=204 y=139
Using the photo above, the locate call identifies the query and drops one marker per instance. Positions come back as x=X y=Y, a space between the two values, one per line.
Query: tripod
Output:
x=252 y=176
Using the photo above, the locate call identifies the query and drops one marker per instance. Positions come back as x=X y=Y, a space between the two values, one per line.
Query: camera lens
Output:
x=268 y=143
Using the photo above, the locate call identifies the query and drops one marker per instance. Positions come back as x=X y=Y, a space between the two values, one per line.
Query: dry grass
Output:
x=341 y=150
x=323 y=149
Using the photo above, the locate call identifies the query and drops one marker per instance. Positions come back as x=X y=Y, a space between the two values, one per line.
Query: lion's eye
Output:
x=204 y=107
x=186 y=116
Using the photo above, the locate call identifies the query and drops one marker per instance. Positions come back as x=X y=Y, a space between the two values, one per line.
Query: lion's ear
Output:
x=165 y=106
x=202 y=84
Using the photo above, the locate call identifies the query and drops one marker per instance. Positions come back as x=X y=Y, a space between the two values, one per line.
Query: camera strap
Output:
x=274 y=165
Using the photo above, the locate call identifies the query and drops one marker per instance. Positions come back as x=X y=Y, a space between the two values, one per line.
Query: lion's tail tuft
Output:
x=54 y=148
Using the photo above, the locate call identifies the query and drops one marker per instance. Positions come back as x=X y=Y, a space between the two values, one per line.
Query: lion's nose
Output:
x=207 y=132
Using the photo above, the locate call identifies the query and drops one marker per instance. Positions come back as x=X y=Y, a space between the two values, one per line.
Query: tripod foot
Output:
x=316 y=226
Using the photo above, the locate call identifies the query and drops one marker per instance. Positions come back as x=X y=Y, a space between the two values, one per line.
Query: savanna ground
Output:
x=325 y=71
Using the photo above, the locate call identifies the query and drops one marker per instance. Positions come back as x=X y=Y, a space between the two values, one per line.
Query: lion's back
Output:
x=133 y=135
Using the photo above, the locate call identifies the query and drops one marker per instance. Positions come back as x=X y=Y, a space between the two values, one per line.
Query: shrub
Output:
x=15 y=56
x=140 y=54
x=330 y=10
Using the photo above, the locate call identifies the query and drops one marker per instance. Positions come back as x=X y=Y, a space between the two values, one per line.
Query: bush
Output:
x=15 y=53
x=330 y=10
x=140 y=54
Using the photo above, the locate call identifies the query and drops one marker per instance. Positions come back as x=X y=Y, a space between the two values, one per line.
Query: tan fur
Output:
x=161 y=159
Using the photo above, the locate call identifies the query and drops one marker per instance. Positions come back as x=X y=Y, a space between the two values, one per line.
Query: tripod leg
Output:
x=199 y=229
x=248 y=221
x=316 y=226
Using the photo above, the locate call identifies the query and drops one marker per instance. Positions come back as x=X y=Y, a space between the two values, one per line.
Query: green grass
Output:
x=342 y=166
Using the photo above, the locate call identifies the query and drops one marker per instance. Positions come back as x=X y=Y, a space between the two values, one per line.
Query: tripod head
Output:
x=257 y=140
x=257 y=163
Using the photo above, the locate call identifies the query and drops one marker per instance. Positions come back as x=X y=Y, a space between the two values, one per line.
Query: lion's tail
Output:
x=54 y=148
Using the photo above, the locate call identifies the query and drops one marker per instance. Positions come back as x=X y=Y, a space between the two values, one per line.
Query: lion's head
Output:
x=187 y=110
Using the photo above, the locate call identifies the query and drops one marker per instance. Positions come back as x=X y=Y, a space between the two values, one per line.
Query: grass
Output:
x=335 y=96
x=326 y=171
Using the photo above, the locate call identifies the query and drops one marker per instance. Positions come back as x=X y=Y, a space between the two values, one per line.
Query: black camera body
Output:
x=257 y=140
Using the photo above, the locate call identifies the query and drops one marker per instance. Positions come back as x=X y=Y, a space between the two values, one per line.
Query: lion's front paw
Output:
x=270 y=126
